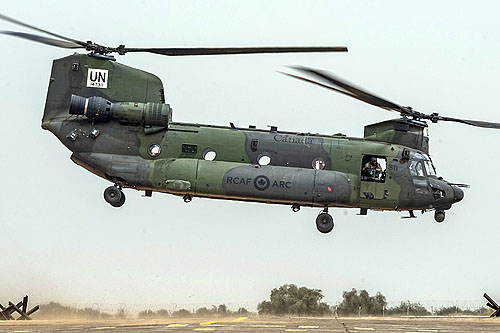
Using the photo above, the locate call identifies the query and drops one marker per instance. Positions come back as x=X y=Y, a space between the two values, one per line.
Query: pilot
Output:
x=372 y=169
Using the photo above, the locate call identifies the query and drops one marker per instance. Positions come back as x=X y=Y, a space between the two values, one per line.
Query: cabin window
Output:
x=373 y=168
x=209 y=154
x=264 y=159
x=318 y=163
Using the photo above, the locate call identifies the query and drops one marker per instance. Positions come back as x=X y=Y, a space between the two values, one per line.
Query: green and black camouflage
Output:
x=120 y=129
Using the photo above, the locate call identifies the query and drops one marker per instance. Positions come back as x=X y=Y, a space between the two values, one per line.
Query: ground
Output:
x=262 y=324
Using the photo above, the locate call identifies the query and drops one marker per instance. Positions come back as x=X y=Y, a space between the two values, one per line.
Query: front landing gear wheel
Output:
x=114 y=196
x=324 y=222
x=121 y=201
x=439 y=216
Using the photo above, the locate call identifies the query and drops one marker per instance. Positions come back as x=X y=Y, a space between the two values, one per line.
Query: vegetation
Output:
x=354 y=303
x=162 y=313
x=55 y=310
x=455 y=310
x=409 y=309
x=182 y=313
x=214 y=311
x=290 y=299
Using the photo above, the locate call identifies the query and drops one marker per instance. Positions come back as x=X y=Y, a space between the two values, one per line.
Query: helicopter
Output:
x=116 y=122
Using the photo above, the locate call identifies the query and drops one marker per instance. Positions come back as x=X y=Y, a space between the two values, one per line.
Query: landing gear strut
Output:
x=439 y=216
x=114 y=196
x=187 y=198
x=324 y=222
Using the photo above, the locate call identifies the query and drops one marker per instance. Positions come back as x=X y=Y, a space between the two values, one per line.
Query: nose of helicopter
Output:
x=458 y=194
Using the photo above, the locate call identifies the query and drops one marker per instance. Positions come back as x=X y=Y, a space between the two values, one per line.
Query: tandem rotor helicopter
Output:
x=114 y=120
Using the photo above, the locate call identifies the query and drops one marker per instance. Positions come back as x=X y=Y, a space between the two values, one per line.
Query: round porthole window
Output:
x=318 y=163
x=264 y=159
x=209 y=154
x=154 y=149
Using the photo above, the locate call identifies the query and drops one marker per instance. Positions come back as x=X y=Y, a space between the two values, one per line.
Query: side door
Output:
x=373 y=177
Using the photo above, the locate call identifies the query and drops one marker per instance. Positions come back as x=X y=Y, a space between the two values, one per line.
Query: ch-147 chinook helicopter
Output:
x=115 y=121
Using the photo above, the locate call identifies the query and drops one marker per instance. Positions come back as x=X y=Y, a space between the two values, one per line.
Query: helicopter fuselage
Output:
x=121 y=130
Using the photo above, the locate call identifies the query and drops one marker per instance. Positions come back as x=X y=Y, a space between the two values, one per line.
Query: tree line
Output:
x=292 y=300
x=54 y=310
x=214 y=311
x=288 y=299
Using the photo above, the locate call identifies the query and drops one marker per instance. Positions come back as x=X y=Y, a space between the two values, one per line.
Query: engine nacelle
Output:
x=133 y=113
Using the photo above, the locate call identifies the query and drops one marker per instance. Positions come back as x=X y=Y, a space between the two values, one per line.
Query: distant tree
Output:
x=482 y=311
x=242 y=312
x=54 y=310
x=354 y=303
x=88 y=313
x=162 y=313
x=146 y=314
x=445 y=311
x=452 y=310
x=204 y=312
x=408 y=308
x=290 y=299
x=222 y=310
x=121 y=313
x=264 y=307
x=181 y=313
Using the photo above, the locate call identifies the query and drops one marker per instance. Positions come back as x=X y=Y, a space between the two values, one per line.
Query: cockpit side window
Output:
x=373 y=168
x=419 y=163
x=429 y=168
x=416 y=168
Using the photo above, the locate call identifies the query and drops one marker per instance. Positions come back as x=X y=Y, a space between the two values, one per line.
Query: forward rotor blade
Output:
x=185 y=51
x=43 y=40
x=360 y=93
x=11 y=20
x=476 y=123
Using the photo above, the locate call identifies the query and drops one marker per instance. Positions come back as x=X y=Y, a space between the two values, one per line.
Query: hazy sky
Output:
x=60 y=241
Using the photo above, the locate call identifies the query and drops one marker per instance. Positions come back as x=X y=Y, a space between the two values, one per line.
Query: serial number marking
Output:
x=393 y=167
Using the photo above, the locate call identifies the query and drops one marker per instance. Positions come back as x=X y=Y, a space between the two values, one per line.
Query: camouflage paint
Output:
x=120 y=152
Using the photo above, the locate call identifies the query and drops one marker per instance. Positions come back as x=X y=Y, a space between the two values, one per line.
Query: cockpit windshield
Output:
x=418 y=163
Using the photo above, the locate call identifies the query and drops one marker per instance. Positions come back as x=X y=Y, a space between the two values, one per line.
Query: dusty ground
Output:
x=260 y=324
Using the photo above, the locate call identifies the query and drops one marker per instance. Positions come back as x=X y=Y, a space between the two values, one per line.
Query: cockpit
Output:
x=421 y=165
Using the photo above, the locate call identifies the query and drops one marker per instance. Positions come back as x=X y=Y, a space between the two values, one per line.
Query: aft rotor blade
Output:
x=186 y=51
x=360 y=93
x=43 y=40
x=320 y=84
x=11 y=20
x=476 y=123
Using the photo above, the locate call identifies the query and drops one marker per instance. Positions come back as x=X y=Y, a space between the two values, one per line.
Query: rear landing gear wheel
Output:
x=439 y=216
x=114 y=196
x=324 y=222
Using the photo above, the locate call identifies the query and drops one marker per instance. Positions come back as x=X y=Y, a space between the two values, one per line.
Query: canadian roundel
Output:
x=154 y=149
x=318 y=163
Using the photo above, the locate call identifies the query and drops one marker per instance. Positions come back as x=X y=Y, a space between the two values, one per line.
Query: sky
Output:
x=61 y=242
